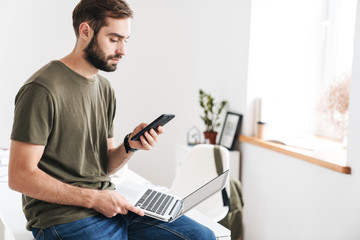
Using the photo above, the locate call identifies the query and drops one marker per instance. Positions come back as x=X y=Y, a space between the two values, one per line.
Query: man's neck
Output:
x=76 y=62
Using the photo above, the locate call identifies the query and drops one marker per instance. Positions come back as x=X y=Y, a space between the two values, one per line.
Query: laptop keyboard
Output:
x=154 y=201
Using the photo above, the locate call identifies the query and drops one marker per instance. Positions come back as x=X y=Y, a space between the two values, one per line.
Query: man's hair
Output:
x=95 y=12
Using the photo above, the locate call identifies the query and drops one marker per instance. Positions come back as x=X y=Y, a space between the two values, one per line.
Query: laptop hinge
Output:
x=176 y=209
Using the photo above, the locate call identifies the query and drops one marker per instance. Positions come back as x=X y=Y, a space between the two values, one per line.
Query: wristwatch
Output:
x=127 y=145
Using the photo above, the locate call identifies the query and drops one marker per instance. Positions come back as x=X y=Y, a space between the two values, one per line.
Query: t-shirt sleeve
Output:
x=111 y=115
x=34 y=115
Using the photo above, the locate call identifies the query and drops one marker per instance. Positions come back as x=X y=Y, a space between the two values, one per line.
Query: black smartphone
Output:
x=160 y=121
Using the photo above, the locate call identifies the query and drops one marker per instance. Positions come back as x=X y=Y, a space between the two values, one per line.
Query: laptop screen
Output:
x=205 y=191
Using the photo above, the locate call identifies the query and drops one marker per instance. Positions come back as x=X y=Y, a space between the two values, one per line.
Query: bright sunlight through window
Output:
x=300 y=63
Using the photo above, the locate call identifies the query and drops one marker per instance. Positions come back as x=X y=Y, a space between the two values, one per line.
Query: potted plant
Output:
x=211 y=115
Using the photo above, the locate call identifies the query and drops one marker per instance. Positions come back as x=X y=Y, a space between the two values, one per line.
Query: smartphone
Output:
x=160 y=121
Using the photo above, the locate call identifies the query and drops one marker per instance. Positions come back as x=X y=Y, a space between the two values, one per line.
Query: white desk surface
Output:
x=11 y=208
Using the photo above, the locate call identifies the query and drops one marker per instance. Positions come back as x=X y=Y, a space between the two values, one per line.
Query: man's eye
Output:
x=113 y=40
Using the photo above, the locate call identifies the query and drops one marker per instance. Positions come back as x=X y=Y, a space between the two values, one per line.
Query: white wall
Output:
x=176 y=48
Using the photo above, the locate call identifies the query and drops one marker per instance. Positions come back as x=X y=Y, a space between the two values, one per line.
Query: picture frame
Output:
x=231 y=129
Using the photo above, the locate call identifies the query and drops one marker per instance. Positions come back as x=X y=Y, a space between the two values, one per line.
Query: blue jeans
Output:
x=130 y=226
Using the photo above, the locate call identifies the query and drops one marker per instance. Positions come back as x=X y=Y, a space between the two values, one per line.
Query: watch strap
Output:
x=127 y=145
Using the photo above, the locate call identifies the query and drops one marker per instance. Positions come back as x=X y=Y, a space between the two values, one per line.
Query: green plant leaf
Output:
x=211 y=109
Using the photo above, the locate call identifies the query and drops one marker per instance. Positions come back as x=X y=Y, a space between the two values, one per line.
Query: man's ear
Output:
x=85 y=31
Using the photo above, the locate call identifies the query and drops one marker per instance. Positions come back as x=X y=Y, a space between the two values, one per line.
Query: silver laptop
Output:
x=167 y=207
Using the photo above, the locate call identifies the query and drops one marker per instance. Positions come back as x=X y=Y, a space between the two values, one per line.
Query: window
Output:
x=339 y=28
x=297 y=48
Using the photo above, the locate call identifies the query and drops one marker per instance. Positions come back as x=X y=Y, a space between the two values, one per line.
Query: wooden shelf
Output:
x=331 y=158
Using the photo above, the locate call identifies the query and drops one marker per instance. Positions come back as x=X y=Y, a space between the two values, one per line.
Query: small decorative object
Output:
x=211 y=115
x=193 y=136
x=334 y=106
x=260 y=129
x=231 y=130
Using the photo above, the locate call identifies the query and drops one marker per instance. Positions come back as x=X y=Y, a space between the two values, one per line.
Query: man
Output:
x=62 y=148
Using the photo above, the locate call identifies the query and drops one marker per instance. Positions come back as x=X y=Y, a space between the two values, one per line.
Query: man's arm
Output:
x=118 y=156
x=27 y=178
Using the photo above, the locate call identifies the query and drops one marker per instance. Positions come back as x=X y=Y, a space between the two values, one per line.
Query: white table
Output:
x=11 y=209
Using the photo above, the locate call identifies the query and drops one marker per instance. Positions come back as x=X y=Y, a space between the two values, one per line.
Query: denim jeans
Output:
x=130 y=226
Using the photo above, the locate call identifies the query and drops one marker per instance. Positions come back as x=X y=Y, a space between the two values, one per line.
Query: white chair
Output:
x=196 y=169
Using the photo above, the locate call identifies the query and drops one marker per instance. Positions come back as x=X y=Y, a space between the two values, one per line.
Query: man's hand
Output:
x=148 y=140
x=110 y=203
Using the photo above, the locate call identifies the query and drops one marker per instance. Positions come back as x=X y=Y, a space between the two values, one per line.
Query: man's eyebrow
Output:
x=118 y=35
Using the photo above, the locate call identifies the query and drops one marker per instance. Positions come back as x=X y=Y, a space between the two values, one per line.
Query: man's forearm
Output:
x=41 y=186
x=26 y=177
x=117 y=158
x=37 y=184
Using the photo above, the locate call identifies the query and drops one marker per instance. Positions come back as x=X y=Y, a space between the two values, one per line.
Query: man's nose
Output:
x=121 y=49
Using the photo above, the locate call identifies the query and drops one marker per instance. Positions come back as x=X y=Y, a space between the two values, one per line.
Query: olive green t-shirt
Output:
x=72 y=116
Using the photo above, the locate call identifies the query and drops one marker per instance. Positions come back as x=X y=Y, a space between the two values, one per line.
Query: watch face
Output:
x=193 y=136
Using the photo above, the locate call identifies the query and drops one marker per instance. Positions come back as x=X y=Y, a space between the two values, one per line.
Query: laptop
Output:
x=167 y=207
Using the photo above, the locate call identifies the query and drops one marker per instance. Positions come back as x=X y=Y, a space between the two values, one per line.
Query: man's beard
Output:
x=96 y=56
